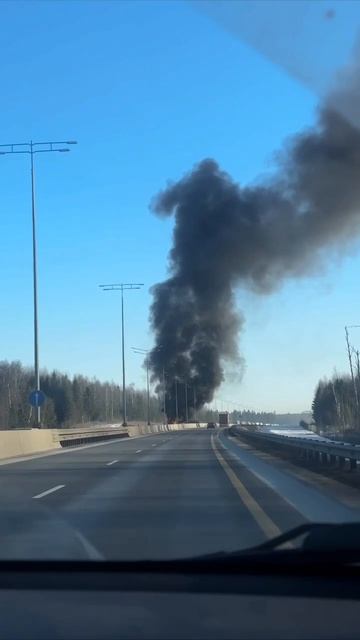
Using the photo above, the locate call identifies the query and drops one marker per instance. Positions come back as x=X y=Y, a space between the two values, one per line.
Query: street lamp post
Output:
x=122 y=287
x=31 y=148
x=355 y=382
x=176 y=401
x=146 y=353
x=186 y=404
x=123 y=357
x=164 y=396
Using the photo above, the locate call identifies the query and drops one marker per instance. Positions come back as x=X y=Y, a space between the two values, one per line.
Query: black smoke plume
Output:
x=254 y=237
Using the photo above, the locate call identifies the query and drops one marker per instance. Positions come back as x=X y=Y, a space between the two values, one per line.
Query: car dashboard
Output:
x=92 y=600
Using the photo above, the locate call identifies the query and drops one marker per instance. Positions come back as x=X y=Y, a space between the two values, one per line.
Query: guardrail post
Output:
x=353 y=464
x=324 y=452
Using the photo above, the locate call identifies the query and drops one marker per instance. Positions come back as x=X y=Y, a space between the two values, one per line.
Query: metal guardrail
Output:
x=82 y=435
x=322 y=451
x=72 y=437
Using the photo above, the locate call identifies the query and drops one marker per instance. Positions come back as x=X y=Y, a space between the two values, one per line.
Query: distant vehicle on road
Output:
x=211 y=425
x=224 y=419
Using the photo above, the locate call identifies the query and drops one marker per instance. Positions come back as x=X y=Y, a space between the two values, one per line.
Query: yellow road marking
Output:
x=265 y=523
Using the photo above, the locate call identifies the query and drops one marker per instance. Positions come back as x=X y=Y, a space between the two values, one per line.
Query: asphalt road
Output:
x=164 y=496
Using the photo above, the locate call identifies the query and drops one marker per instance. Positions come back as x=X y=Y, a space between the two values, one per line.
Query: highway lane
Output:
x=169 y=495
x=320 y=503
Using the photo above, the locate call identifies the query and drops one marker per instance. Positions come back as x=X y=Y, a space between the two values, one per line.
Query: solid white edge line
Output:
x=46 y=493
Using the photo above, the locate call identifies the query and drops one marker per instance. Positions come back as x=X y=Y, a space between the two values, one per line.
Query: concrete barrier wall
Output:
x=72 y=437
x=144 y=429
x=18 y=442
x=22 y=442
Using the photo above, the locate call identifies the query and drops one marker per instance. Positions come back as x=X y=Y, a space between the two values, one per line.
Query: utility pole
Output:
x=176 y=401
x=123 y=357
x=357 y=379
x=195 y=412
x=148 y=390
x=357 y=353
x=164 y=396
x=352 y=371
x=146 y=353
x=31 y=148
x=186 y=404
x=338 y=408
x=122 y=287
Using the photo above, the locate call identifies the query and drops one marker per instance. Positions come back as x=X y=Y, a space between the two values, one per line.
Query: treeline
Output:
x=79 y=400
x=336 y=403
x=254 y=416
x=69 y=400
x=271 y=417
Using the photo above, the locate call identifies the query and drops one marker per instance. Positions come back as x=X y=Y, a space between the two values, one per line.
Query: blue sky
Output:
x=148 y=89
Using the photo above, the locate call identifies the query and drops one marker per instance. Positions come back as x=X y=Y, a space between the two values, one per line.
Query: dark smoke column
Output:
x=192 y=314
x=254 y=238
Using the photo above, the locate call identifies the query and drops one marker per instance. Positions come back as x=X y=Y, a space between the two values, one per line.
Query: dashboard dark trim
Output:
x=324 y=581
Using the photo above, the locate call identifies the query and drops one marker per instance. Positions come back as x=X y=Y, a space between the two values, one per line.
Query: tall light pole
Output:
x=146 y=353
x=155 y=349
x=164 y=395
x=122 y=287
x=31 y=148
x=349 y=349
x=186 y=404
x=176 y=401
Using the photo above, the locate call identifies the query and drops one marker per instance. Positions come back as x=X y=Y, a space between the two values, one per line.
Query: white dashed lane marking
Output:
x=112 y=462
x=46 y=493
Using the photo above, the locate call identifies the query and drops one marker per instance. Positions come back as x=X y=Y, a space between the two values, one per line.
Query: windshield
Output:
x=180 y=327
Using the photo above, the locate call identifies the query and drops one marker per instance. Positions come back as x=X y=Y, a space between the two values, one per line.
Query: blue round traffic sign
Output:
x=37 y=398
